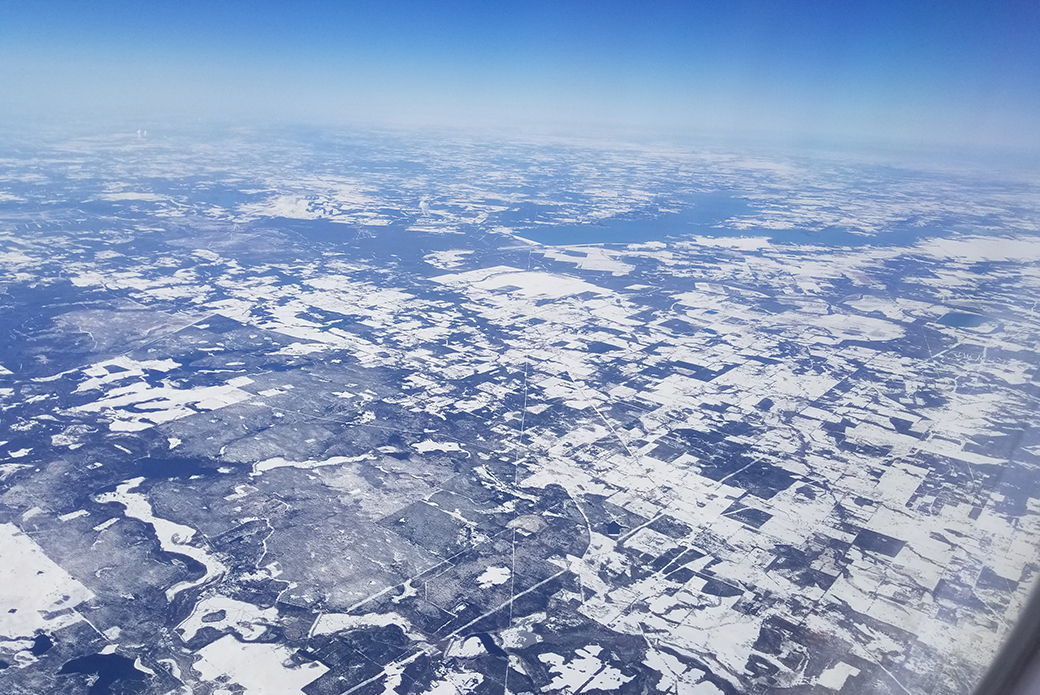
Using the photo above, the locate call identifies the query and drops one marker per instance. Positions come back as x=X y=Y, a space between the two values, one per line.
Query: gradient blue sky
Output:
x=962 y=72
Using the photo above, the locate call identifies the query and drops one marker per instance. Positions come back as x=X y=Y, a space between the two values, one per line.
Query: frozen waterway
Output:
x=173 y=537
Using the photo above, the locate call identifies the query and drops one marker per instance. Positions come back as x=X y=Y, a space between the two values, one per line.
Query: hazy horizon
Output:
x=928 y=74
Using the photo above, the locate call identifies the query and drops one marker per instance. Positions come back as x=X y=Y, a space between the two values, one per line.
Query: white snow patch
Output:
x=279 y=462
x=152 y=405
x=589 y=258
x=493 y=576
x=975 y=249
x=536 y=284
x=446 y=260
x=132 y=195
x=329 y=623
x=297 y=349
x=105 y=524
x=206 y=254
x=427 y=446
x=743 y=243
x=249 y=621
x=834 y=677
x=7 y=469
x=465 y=648
x=262 y=669
x=473 y=276
x=584 y=672
x=456 y=683
x=35 y=593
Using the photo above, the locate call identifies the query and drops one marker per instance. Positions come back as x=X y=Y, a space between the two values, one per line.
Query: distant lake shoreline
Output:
x=708 y=211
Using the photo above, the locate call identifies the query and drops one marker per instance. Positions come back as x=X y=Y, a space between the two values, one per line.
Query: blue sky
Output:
x=962 y=72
